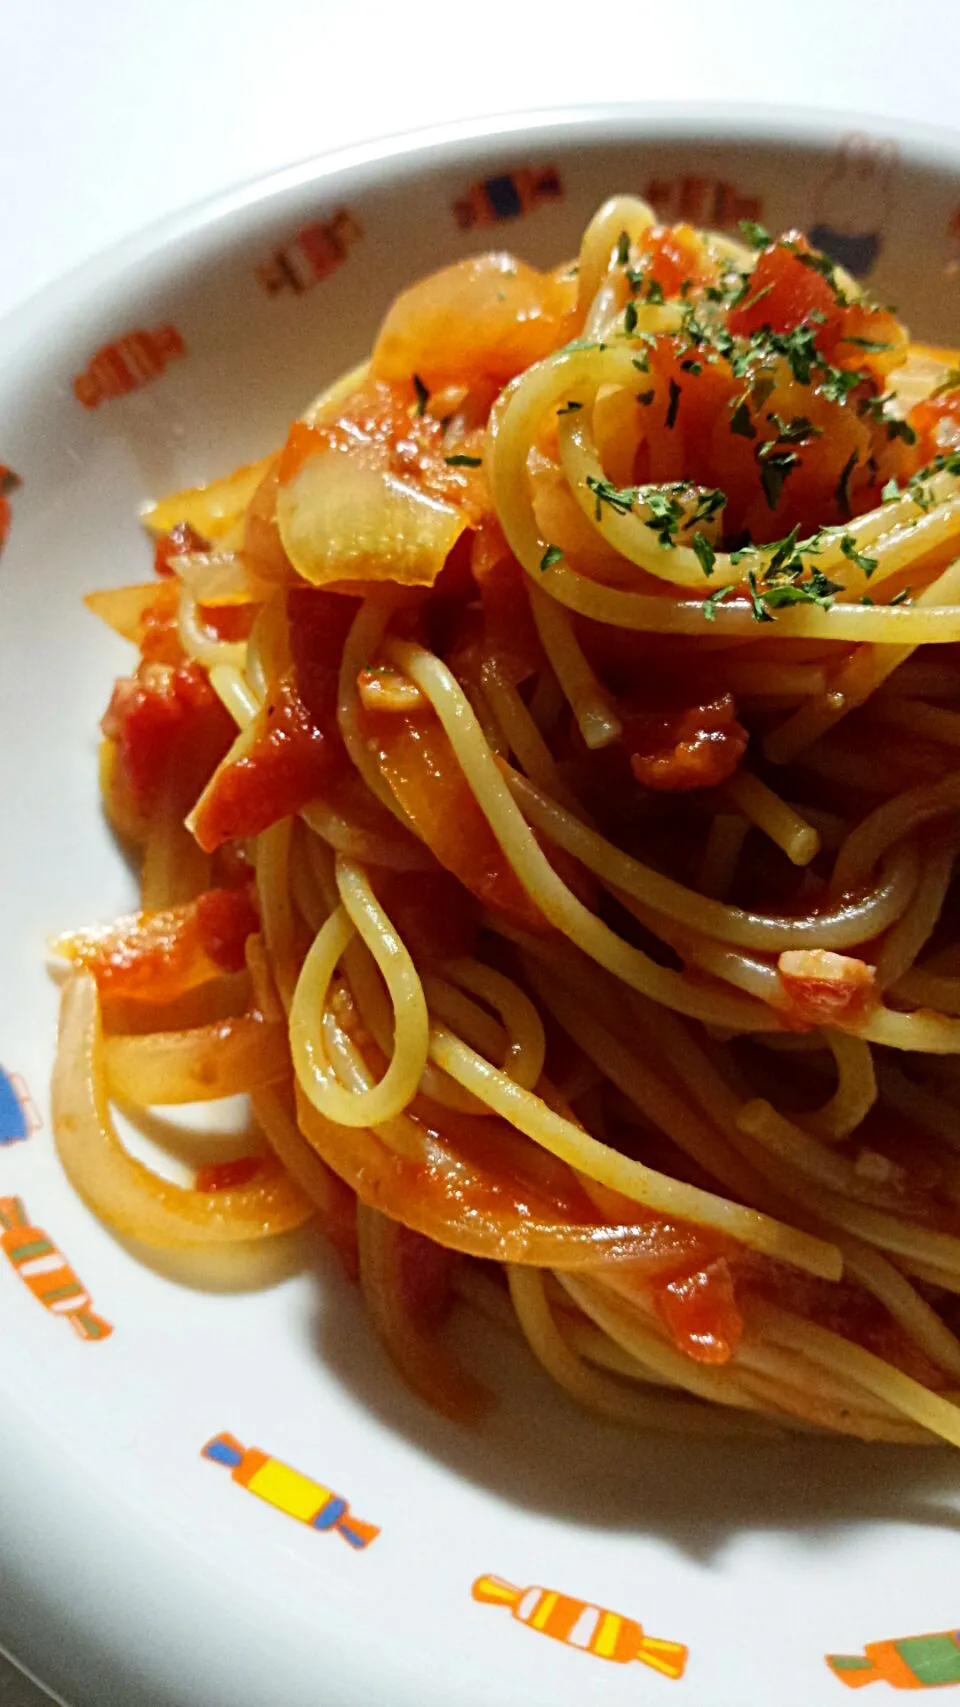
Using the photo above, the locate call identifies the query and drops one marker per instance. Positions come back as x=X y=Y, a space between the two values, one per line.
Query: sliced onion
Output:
x=124 y=608
x=214 y=577
x=341 y=521
x=211 y=509
x=209 y=1061
x=120 y=1189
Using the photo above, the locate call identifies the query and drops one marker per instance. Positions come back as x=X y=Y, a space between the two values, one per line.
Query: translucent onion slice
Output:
x=341 y=521
x=213 y=508
x=227 y=1058
x=124 y=608
x=127 y=1195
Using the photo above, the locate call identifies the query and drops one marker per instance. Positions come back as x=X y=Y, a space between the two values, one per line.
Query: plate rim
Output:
x=31 y=1602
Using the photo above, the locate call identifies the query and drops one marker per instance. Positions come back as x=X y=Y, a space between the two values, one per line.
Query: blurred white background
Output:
x=114 y=114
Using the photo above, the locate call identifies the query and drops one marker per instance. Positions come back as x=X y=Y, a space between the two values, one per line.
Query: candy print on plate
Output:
x=701 y=201
x=297 y=1495
x=507 y=196
x=124 y=366
x=592 y=1629
x=853 y=203
x=908 y=1662
x=312 y=255
x=46 y=1272
x=8 y=483
x=18 y=1115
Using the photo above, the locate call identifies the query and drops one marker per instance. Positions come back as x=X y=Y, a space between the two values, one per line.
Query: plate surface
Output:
x=132 y=1567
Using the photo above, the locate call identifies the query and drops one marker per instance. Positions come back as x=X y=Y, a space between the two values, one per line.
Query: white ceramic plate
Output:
x=135 y=1569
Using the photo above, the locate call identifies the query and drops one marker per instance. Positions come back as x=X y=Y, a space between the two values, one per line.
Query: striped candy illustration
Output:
x=310 y=1502
x=701 y=200
x=507 y=196
x=910 y=1662
x=18 y=1117
x=608 y=1635
x=46 y=1271
x=125 y=365
x=8 y=483
x=311 y=255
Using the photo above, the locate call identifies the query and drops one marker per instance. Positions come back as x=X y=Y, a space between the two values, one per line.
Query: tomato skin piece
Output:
x=823 y=988
x=697 y=746
x=700 y=1310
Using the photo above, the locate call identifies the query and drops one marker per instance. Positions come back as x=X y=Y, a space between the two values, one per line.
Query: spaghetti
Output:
x=542 y=771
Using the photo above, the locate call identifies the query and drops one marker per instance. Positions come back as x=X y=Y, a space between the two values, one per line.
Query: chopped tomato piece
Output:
x=937 y=423
x=181 y=539
x=672 y=255
x=294 y=749
x=697 y=746
x=319 y=623
x=158 y=956
x=824 y=988
x=285 y=766
x=162 y=718
x=228 y=1176
x=417 y=762
x=791 y=285
x=700 y=1310
x=784 y=291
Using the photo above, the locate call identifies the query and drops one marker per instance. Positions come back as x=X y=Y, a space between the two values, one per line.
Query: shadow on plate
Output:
x=537 y=1450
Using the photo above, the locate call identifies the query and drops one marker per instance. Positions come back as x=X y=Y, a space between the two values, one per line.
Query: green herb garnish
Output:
x=841 y=494
x=706 y=556
x=619 y=498
x=848 y=546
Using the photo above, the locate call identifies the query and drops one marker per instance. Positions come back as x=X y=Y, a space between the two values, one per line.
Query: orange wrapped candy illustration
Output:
x=123 y=366
x=46 y=1271
x=311 y=255
x=310 y=1502
x=909 y=1662
x=608 y=1635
